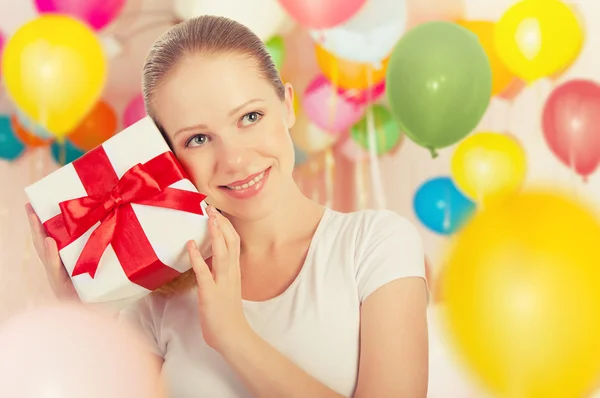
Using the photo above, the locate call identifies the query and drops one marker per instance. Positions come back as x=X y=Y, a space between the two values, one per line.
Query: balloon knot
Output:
x=433 y=152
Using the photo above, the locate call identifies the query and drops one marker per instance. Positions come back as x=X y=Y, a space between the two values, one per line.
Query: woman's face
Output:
x=230 y=131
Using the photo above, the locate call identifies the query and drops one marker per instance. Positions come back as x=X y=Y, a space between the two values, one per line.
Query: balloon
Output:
x=502 y=77
x=308 y=137
x=54 y=71
x=134 y=111
x=322 y=14
x=265 y=18
x=2 y=42
x=299 y=156
x=10 y=146
x=571 y=125
x=441 y=207
x=96 y=13
x=368 y=36
x=65 y=152
x=438 y=84
x=520 y=288
x=364 y=97
x=25 y=136
x=327 y=109
x=386 y=130
x=98 y=126
x=489 y=166
x=537 y=38
x=32 y=127
x=276 y=48
x=77 y=353
x=348 y=74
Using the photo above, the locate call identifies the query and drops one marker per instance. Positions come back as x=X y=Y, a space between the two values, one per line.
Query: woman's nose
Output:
x=232 y=154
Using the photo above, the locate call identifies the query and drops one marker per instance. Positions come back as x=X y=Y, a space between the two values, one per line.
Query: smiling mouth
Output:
x=239 y=187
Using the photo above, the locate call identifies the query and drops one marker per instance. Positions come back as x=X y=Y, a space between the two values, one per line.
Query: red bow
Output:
x=109 y=203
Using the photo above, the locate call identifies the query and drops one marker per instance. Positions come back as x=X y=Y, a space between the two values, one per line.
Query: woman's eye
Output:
x=197 y=140
x=251 y=118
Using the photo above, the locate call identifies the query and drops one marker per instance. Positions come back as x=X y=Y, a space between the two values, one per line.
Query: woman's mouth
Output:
x=248 y=187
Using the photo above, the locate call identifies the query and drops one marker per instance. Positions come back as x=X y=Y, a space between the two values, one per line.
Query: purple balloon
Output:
x=96 y=13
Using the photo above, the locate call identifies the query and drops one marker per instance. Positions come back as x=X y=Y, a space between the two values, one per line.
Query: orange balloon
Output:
x=348 y=74
x=98 y=126
x=501 y=75
x=30 y=140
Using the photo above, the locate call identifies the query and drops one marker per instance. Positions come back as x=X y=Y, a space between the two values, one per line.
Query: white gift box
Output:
x=167 y=230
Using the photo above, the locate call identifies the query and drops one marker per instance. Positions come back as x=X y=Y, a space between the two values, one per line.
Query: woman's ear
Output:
x=289 y=106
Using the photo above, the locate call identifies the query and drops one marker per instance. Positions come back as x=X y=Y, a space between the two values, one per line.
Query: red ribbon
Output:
x=109 y=203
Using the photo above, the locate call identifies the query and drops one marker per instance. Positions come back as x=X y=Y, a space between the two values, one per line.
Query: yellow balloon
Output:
x=54 y=70
x=501 y=76
x=308 y=137
x=489 y=166
x=349 y=74
x=538 y=38
x=522 y=298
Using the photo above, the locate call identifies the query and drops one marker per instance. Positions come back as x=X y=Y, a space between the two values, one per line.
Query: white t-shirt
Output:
x=315 y=322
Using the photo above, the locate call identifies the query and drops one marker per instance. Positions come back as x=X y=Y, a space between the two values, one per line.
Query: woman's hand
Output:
x=219 y=287
x=47 y=251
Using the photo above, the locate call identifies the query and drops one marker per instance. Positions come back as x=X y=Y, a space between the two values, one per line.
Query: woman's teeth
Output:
x=248 y=184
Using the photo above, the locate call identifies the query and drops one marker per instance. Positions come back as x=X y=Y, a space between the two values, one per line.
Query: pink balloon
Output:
x=364 y=97
x=1 y=48
x=571 y=125
x=96 y=13
x=328 y=109
x=321 y=14
x=134 y=111
x=68 y=351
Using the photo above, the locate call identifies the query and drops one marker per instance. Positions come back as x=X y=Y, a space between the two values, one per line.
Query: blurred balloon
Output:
x=322 y=14
x=54 y=71
x=299 y=157
x=77 y=353
x=308 y=137
x=571 y=125
x=32 y=127
x=276 y=48
x=348 y=74
x=501 y=76
x=441 y=207
x=489 y=166
x=264 y=17
x=134 y=111
x=438 y=84
x=366 y=96
x=369 y=35
x=514 y=88
x=25 y=136
x=2 y=42
x=422 y=11
x=521 y=293
x=10 y=146
x=329 y=110
x=96 y=13
x=537 y=38
x=65 y=152
x=386 y=130
x=98 y=126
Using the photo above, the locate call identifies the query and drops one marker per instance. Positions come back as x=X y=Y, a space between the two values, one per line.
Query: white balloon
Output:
x=266 y=18
x=370 y=35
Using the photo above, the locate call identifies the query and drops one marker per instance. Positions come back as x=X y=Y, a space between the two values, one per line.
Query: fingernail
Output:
x=193 y=244
x=212 y=210
x=216 y=222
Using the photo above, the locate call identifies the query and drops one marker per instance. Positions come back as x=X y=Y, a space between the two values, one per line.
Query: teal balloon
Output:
x=32 y=127
x=438 y=84
x=10 y=146
x=387 y=132
x=276 y=48
x=65 y=152
x=441 y=207
x=300 y=157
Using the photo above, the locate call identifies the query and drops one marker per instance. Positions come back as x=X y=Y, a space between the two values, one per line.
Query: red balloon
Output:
x=571 y=125
x=321 y=14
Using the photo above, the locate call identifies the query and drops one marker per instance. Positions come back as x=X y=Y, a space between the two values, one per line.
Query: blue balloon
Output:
x=441 y=207
x=66 y=152
x=10 y=146
x=33 y=127
x=300 y=156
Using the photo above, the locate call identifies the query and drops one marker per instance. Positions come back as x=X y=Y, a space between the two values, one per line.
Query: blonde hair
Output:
x=203 y=35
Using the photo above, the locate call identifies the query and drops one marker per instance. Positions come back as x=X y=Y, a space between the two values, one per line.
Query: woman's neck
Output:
x=295 y=215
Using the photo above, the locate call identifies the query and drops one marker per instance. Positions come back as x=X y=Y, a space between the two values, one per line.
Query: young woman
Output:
x=298 y=300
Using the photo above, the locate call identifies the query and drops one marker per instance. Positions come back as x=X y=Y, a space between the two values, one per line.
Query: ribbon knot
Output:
x=113 y=201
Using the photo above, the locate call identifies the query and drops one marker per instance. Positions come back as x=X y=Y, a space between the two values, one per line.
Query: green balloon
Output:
x=387 y=131
x=438 y=84
x=276 y=48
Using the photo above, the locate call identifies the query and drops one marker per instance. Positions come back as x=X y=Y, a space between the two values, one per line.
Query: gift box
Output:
x=122 y=215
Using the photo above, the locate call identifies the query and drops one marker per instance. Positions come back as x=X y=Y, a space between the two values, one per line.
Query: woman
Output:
x=298 y=300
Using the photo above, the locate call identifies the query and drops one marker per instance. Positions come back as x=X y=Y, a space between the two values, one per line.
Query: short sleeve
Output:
x=138 y=316
x=389 y=248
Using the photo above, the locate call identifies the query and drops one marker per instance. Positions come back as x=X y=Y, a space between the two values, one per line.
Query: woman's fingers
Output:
x=220 y=263
x=204 y=277
x=232 y=239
